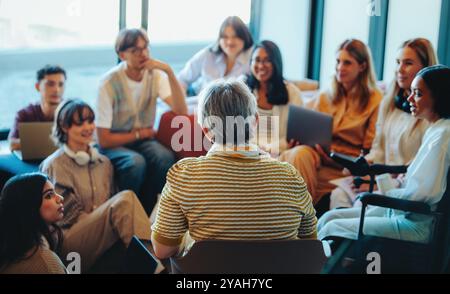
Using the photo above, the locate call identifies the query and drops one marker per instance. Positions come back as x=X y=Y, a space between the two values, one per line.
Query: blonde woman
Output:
x=399 y=134
x=353 y=102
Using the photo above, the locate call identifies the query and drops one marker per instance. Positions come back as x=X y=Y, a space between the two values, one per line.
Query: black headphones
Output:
x=401 y=101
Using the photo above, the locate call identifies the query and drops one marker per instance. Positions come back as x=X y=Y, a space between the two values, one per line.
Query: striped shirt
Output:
x=233 y=195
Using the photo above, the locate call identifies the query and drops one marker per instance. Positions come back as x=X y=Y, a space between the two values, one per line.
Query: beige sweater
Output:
x=84 y=188
x=43 y=261
x=398 y=136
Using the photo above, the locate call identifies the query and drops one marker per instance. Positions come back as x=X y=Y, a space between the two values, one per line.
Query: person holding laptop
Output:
x=353 y=102
x=50 y=84
x=274 y=95
x=95 y=218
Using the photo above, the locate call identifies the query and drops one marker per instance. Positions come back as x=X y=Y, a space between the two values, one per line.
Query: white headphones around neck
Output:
x=82 y=157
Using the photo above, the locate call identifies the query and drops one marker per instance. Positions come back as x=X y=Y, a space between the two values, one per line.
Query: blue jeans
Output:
x=141 y=167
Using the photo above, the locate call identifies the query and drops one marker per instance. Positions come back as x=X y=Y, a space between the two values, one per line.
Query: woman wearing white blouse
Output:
x=228 y=57
x=426 y=176
x=274 y=95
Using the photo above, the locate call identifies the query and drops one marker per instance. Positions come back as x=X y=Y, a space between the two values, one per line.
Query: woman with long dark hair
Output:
x=29 y=238
x=273 y=94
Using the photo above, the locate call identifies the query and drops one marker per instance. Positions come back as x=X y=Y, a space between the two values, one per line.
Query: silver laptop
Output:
x=309 y=127
x=35 y=141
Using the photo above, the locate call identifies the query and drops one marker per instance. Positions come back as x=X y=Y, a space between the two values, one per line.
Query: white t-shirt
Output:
x=104 y=109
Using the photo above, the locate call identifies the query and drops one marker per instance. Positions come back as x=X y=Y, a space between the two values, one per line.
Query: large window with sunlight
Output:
x=401 y=27
x=343 y=19
x=57 y=24
x=76 y=34
x=79 y=35
x=178 y=21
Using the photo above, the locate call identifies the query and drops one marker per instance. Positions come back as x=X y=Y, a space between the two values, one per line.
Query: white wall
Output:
x=343 y=19
x=287 y=24
x=410 y=19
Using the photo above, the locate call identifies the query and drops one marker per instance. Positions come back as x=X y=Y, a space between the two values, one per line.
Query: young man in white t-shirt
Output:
x=126 y=108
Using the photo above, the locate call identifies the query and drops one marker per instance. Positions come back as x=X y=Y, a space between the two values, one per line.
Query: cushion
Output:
x=186 y=134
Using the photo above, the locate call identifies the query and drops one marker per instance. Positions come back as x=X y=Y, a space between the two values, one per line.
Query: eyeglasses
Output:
x=136 y=51
x=263 y=62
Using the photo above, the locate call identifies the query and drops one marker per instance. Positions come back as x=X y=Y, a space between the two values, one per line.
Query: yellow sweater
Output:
x=228 y=196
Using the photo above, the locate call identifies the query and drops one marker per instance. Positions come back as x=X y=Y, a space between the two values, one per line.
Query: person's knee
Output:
x=164 y=160
x=325 y=230
x=167 y=161
x=323 y=220
x=125 y=200
x=339 y=198
x=136 y=164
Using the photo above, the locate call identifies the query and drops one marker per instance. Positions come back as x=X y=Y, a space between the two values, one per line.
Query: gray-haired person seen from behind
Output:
x=236 y=191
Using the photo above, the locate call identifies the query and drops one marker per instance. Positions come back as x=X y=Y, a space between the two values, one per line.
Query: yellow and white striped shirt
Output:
x=234 y=195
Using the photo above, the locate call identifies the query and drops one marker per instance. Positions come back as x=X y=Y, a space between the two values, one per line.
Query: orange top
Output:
x=353 y=129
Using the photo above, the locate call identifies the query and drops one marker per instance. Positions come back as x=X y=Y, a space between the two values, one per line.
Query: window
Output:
x=76 y=34
x=291 y=36
x=134 y=13
x=407 y=20
x=343 y=19
x=176 y=21
x=57 y=24
x=79 y=35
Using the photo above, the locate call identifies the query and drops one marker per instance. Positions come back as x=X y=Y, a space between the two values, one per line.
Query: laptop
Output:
x=139 y=260
x=309 y=127
x=35 y=141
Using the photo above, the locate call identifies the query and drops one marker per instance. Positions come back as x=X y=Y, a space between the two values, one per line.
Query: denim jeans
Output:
x=141 y=167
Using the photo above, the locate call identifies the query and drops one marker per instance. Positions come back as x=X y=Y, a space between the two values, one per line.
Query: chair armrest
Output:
x=378 y=169
x=394 y=203
x=389 y=202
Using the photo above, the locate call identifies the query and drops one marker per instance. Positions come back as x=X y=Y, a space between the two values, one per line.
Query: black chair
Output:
x=359 y=167
x=252 y=257
x=397 y=256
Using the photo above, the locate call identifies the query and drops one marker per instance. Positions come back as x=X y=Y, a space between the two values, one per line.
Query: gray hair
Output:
x=228 y=109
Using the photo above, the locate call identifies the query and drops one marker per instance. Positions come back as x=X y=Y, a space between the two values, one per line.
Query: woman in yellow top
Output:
x=399 y=134
x=353 y=102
